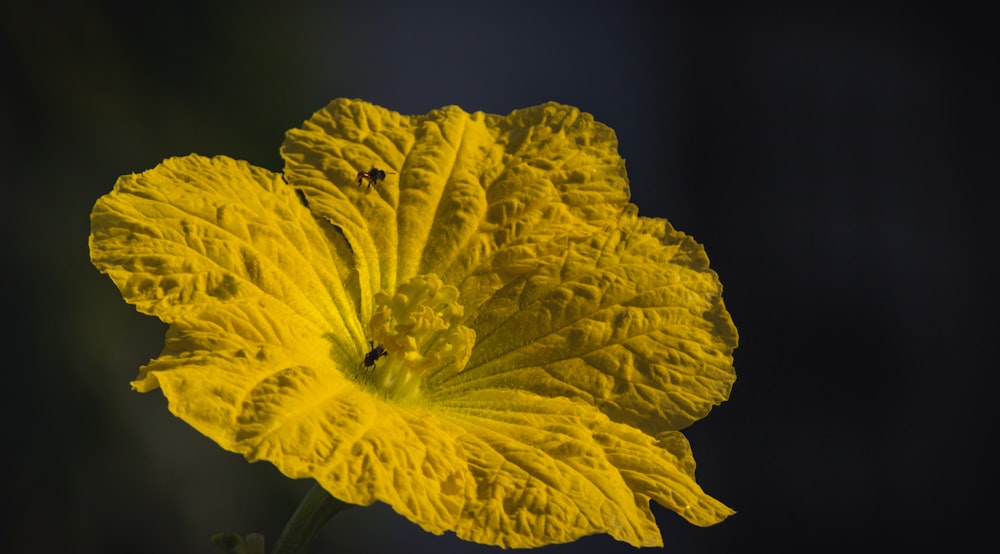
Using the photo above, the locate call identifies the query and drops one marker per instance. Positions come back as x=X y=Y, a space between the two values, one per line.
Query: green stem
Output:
x=316 y=508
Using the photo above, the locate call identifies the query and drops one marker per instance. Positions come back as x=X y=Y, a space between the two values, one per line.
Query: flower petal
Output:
x=228 y=255
x=465 y=189
x=361 y=449
x=631 y=321
x=551 y=470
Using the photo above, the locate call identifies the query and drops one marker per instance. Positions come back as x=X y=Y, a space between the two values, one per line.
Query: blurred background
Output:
x=839 y=164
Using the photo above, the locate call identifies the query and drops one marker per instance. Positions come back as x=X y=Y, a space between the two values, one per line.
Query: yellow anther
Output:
x=418 y=325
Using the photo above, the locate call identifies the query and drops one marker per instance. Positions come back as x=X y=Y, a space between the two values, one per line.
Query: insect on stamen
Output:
x=373 y=355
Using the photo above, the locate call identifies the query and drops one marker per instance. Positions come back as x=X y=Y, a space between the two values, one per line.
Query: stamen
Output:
x=418 y=326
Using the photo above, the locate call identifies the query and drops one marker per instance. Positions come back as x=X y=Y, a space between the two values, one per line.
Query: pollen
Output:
x=419 y=325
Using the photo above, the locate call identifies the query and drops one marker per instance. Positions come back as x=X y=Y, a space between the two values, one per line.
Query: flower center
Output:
x=417 y=328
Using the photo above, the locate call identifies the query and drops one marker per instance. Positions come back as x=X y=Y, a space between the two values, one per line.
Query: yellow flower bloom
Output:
x=486 y=337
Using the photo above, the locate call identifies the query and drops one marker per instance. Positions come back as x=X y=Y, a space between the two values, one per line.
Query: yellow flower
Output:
x=486 y=336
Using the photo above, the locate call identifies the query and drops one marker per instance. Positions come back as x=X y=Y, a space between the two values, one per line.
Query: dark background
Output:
x=839 y=164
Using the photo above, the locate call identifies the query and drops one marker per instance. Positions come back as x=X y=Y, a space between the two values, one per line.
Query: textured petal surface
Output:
x=249 y=281
x=553 y=470
x=198 y=237
x=630 y=320
x=596 y=334
x=475 y=198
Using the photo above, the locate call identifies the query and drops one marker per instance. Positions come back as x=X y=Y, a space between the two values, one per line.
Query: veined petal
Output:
x=475 y=198
x=228 y=255
x=630 y=321
x=360 y=448
x=552 y=470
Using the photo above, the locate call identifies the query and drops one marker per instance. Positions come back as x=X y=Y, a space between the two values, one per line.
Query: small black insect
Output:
x=373 y=355
x=373 y=176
